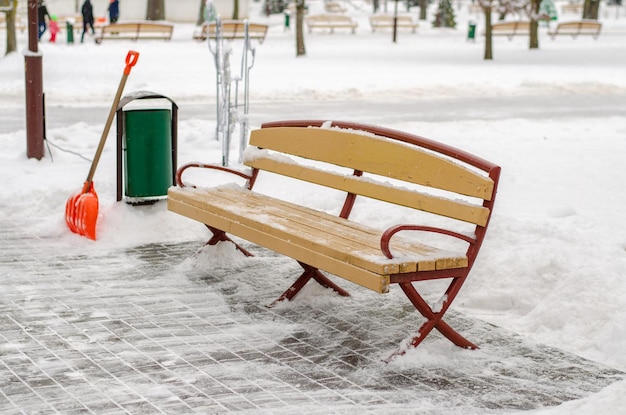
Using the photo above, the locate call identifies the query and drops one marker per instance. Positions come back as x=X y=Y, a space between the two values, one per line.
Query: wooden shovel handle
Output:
x=131 y=60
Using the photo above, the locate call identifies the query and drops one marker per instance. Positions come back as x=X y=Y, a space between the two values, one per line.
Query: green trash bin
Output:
x=147 y=152
x=146 y=148
x=69 y=28
x=471 y=31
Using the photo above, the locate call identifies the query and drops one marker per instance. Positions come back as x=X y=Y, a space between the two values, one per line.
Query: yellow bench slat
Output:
x=362 y=235
x=236 y=30
x=374 y=155
x=330 y=235
x=453 y=209
x=273 y=241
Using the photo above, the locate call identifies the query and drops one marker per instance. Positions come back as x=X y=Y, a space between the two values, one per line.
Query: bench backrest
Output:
x=75 y=19
x=334 y=7
x=516 y=26
x=580 y=26
x=384 y=18
x=121 y=28
x=338 y=18
x=572 y=7
x=382 y=153
x=235 y=29
x=138 y=27
x=155 y=27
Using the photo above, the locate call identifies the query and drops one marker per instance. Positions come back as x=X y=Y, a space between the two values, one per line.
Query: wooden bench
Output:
x=76 y=20
x=574 y=8
x=510 y=29
x=334 y=7
x=331 y=21
x=373 y=164
x=385 y=21
x=135 y=31
x=291 y=9
x=232 y=29
x=475 y=8
x=581 y=27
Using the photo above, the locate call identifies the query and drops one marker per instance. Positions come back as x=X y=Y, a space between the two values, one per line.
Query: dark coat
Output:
x=114 y=9
x=87 y=12
x=42 y=12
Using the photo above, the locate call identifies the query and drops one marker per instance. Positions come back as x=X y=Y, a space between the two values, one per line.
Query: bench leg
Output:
x=309 y=272
x=324 y=281
x=434 y=319
x=220 y=236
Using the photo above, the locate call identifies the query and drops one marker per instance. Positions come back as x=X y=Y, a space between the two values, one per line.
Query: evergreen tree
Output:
x=445 y=15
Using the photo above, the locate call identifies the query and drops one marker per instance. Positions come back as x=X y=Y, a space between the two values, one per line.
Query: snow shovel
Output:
x=81 y=209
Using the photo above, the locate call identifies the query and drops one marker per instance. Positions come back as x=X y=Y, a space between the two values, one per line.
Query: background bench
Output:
x=135 y=31
x=407 y=172
x=20 y=24
x=573 y=29
x=573 y=8
x=385 y=21
x=510 y=29
x=76 y=20
x=334 y=7
x=232 y=29
x=331 y=21
x=475 y=8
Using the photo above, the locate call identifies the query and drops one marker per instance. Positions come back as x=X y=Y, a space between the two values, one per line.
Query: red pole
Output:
x=34 y=88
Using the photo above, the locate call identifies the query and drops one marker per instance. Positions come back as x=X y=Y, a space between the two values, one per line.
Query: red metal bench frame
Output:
x=434 y=318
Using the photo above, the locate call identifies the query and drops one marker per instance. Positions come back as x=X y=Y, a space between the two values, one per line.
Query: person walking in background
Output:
x=114 y=11
x=54 y=28
x=42 y=13
x=87 y=12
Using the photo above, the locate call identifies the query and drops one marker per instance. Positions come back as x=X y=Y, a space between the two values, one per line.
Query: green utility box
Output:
x=146 y=147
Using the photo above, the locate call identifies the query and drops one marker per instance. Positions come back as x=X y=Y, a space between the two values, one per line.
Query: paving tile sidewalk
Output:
x=144 y=331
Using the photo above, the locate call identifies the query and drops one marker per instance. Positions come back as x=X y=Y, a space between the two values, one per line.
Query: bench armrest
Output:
x=179 y=172
x=386 y=236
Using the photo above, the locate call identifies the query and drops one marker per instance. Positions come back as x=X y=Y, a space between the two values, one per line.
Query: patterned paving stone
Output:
x=157 y=329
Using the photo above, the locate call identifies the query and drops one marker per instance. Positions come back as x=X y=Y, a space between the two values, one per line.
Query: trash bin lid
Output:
x=142 y=95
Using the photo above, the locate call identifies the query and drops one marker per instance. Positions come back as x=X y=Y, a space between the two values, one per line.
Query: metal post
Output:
x=228 y=90
x=222 y=75
x=34 y=88
x=395 y=22
x=247 y=64
x=245 y=73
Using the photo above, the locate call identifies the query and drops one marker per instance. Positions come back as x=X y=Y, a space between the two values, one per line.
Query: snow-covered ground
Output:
x=553 y=265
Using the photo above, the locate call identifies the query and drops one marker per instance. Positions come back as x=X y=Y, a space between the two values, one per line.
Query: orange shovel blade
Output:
x=70 y=212
x=81 y=212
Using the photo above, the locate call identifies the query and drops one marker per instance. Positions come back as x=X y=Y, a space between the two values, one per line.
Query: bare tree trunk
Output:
x=591 y=9
x=201 y=13
x=11 y=43
x=534 y=24
x=423 y=9
x=488 y=37
x=235 y=9
x=534 y=35
x=300 y=50
x=156 y=10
